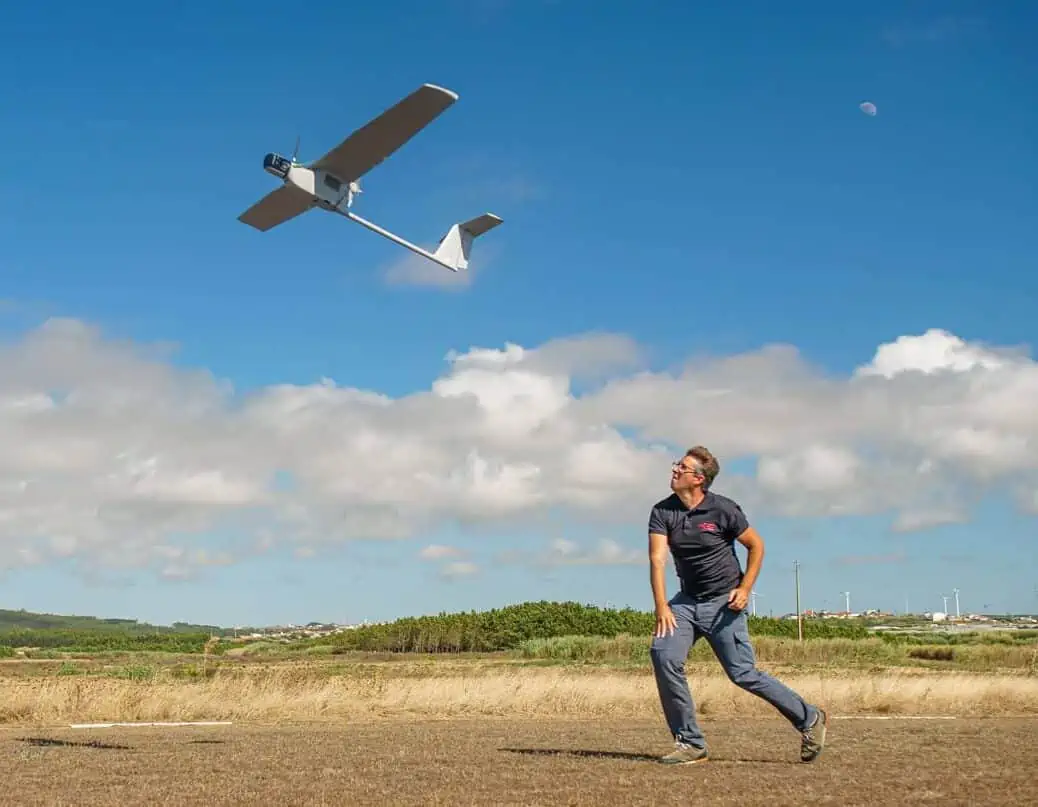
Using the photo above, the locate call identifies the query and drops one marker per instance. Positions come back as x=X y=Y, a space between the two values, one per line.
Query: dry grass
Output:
x=315 y=692
x=597 y=762
x=978 y=657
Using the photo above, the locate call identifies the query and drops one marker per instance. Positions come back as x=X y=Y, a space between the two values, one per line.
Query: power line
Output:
x=800 y=622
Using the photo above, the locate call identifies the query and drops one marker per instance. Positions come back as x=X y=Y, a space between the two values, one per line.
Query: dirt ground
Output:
x=521 y=762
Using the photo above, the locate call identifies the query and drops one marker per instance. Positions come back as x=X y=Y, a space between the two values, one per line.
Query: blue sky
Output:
x=700 y=180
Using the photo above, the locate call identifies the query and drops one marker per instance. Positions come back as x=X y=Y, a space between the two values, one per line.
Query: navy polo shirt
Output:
x=702 y=542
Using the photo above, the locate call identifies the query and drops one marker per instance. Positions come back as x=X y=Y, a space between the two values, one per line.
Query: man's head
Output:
x=697 y=469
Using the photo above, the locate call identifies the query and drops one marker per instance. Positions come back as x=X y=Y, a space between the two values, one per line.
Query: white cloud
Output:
x=563 y=552
x=112 y=455
x=458 y=569
x=451 y=570
x=414 y=270
x=439 y=551
x=923 y=424
x=910 y=520
x=934 y=351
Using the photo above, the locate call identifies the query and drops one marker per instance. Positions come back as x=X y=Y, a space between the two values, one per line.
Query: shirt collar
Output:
x=708 y=501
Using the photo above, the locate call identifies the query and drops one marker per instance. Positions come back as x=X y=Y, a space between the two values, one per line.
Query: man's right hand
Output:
x=665 y=622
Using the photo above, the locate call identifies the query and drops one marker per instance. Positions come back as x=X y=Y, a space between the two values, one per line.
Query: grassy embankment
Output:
x=538 y=659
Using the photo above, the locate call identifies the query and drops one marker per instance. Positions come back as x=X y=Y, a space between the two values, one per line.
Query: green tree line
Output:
x=94 y=641
x=507 y=628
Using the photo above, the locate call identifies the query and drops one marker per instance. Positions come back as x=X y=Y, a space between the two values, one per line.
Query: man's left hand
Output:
x=737 y=599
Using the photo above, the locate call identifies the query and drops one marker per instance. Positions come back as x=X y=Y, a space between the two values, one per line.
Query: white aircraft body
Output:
x=332 y=182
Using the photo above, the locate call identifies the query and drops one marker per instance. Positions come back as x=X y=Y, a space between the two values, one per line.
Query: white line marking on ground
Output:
x=135 y=725
x=896 y=717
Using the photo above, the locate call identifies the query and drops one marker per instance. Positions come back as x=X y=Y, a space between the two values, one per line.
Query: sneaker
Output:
x=812 y=740
x=684 y=754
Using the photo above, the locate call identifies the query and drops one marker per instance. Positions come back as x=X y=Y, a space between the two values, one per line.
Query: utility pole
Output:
x=955 y=591
x=800 y=622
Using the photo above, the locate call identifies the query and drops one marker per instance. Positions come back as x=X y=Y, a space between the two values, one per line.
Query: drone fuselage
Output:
x=326 y=190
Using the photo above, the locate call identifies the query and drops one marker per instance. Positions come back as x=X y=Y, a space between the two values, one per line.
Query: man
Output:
x=700 y=528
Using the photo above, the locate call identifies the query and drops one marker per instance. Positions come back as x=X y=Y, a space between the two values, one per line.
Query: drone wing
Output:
x=380 y=137
x=277 y=207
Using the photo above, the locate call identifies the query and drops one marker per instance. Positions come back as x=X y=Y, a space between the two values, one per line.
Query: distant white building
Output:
x=939 y=616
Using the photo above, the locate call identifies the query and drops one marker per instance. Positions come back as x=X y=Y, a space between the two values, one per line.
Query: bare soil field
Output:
x=522 y=761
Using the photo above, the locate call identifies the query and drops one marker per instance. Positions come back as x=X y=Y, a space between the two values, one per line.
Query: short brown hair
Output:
x=707 y=462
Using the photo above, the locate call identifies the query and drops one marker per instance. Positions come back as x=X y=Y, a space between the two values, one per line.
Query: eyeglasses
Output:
x=684 y=469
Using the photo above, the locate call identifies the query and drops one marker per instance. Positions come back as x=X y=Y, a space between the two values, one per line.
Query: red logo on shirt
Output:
x=708 y=526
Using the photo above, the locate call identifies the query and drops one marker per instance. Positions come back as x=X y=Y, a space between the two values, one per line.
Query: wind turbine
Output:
x=753 y=601
x=955 y=591
x=847 y=601
x=945 y=598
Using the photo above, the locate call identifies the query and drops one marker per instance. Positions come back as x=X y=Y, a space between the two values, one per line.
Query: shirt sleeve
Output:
x=658 y=521
x=737 y=521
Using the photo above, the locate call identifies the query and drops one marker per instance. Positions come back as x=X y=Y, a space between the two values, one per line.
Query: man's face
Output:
x=685 y=475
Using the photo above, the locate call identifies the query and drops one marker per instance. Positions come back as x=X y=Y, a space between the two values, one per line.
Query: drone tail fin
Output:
x=455 y=247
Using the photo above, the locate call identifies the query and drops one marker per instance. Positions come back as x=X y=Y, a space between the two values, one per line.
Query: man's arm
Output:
x=657 y=569
x=658 y=549
x=749 y=538
x=754 y=544
x=665 y=622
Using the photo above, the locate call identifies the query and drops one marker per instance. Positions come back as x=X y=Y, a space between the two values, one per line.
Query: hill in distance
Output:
x=11 y=620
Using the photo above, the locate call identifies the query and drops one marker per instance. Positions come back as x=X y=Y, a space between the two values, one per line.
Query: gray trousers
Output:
x=727 y=632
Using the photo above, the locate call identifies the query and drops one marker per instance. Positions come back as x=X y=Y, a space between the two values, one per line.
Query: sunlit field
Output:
x=541 y=703
x=301 y=691
x=531 y=660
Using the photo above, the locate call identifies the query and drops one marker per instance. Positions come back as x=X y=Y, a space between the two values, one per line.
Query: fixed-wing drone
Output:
x=331 y=182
